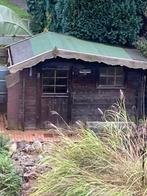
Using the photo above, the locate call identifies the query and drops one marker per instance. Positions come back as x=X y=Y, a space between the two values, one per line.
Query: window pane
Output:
x=110 y=81
x=110 y=70
x=119 y=71
x=48 y=89
x=54 y=81
x=61 y=81
x=60 y=89
x=103 y=81
x=111 y=76
x=48 y=81
x=61 y=73
x=119 y=81
x=48 y=73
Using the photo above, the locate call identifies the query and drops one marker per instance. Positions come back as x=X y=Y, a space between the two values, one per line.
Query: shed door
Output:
x=55 y=96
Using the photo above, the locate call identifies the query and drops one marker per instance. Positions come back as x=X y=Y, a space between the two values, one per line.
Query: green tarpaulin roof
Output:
x=49 y=45
x=11 y=25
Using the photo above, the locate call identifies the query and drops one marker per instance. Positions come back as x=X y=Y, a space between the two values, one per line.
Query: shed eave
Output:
x=68 y=54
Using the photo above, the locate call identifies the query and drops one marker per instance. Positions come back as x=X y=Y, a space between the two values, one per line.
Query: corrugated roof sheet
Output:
x=50 y=45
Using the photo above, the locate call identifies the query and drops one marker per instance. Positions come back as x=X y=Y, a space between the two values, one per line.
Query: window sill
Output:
x=110 y=87
x=55 y=95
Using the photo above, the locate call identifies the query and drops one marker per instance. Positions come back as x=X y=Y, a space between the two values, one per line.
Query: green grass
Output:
x=10 y=180
x=15 y=8
x=106 y=165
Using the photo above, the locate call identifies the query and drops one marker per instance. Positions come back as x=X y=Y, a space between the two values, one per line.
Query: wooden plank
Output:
x=3 y=56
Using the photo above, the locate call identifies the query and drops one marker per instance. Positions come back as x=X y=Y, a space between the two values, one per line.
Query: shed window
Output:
x=54 y=81
x=111 y=76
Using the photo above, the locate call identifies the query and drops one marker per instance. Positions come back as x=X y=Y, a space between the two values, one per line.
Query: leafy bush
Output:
x=110 y=164
x=37 y=9
x=142 y=46
x=10 y=181
x=115 y=22
x=41 y=12
x=4 y=143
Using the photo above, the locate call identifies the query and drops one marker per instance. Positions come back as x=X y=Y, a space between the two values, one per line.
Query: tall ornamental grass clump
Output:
x=110 y=163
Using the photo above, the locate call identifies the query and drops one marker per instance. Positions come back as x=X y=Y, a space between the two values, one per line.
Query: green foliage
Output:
x=56 y=24
x=109 y=164
x=10 y=181
x=37 y=9
x=115 y=22
x=141 y=6
x=142 y=46
x=41 y=12
x=4 y=143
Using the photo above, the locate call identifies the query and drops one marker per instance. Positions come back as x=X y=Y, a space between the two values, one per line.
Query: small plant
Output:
x=142 y=46
x=10 y=181
x=4 y=143
x=110 y=164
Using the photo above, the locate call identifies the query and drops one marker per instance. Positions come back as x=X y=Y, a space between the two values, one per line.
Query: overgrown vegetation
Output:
x=110 y=164
x=41 y=12
x=15 y=8
x=114 y=22
x=10 y=181
x=142 y=46
x=4 y=144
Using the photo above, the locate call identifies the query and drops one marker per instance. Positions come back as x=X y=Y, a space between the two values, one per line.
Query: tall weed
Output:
x=112 y=163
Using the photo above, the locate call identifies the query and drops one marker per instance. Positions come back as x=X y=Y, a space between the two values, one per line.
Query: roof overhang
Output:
x=68 y=54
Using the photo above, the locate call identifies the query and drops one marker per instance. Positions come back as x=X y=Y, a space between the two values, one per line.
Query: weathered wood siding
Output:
x=28 y=109
x=87 y=99
x=30 y=98
x=50 y=104
x=14 y=107
x=22 y=104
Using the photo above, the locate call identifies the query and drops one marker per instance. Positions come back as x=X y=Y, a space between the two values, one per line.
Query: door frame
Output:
x=40 y=95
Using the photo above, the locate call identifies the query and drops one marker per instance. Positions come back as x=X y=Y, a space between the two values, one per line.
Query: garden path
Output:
x=29 y=135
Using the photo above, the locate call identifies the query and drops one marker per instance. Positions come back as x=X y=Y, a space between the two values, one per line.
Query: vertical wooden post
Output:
x=141 y=95
x=69 y=110
x=23 y=100
x=38 y=97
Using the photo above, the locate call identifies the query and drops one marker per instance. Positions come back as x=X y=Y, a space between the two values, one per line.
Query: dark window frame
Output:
x=55 y=84
x=114 y=75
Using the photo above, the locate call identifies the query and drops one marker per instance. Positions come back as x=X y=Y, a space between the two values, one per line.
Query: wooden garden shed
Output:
x=55 y=72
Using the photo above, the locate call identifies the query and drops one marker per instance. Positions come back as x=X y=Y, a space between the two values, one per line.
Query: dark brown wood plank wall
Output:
x=49 y=104
x=13 y=107
x=87 y=99
x=30 y=98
